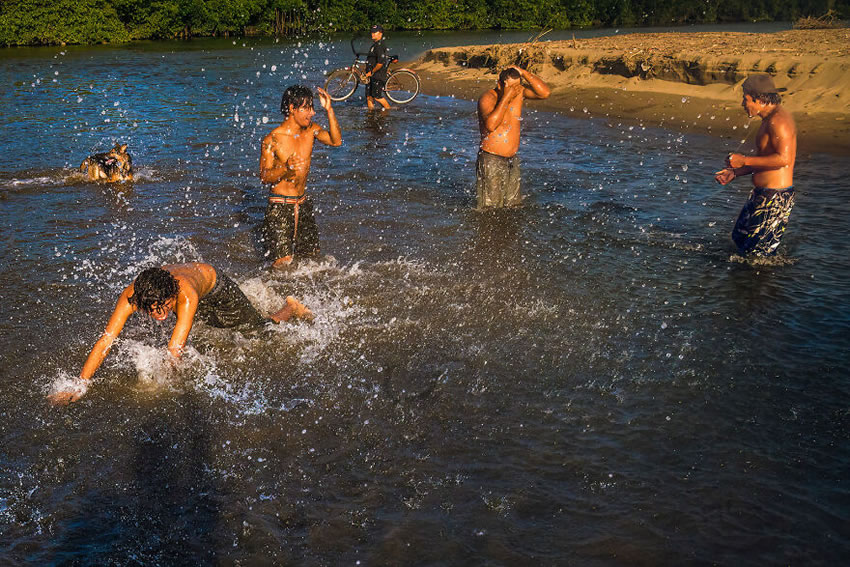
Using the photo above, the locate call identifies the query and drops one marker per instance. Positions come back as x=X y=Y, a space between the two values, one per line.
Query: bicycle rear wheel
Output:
x=341 y=84
x=402 y=86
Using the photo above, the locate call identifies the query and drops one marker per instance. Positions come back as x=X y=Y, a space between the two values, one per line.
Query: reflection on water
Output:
x=591 y=378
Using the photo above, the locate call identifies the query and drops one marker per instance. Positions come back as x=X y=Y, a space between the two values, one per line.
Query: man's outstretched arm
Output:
x=123 y=310
x=333 y=135
x=98 y=353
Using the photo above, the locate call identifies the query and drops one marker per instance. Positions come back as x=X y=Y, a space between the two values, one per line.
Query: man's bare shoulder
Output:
x=279 y=135
x=487 y=101
x=488 y=95
x=784 y=116
x=782 y=123
x=127 y=293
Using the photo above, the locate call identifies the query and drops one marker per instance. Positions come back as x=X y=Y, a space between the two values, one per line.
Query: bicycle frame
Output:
x=358 y=70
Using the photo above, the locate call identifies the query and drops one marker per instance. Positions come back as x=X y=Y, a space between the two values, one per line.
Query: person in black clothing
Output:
x=377 y=63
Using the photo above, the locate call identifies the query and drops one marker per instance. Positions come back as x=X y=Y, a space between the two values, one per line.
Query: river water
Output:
x=592 y=379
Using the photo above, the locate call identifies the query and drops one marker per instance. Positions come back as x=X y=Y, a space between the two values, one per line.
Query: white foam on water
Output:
x=66 y=381
x=248 y=398
x=333 y=313
x=32 y=181
x=534 y=309
x=775 y=260
x=155 y=367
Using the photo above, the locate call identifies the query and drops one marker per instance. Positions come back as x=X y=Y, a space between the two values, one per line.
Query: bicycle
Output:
x=402 y=84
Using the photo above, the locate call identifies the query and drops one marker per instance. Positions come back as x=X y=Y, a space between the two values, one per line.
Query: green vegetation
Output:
x=45 y=22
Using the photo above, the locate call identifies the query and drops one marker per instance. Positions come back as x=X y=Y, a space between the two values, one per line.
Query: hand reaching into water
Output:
x=68 y=394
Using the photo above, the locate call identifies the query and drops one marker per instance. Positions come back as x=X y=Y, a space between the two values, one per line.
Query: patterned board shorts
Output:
x=762 y=221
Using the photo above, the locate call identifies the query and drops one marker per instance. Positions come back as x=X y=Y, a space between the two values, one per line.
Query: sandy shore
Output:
x=686 y=81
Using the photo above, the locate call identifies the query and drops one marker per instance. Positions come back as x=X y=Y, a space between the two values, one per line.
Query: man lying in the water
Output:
x=187 y=290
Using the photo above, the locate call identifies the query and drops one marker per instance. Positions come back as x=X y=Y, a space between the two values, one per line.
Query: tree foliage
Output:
x=43 y=22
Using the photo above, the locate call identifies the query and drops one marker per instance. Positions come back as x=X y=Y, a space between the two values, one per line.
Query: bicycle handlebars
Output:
x=354 y=49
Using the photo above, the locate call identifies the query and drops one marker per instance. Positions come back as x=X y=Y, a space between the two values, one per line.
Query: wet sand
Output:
x=685 y=81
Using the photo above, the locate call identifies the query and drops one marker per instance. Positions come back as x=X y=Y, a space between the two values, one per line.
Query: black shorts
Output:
x=290 y=228
x=226 y=306
x=376 y=86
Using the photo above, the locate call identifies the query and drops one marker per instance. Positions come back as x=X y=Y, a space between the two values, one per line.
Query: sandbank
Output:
x=683 y=81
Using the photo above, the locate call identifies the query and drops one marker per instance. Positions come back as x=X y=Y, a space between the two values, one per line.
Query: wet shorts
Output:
x=375 y=89
x=290 y=227
x=497 y=180
x=762 y=221
x=226 y=306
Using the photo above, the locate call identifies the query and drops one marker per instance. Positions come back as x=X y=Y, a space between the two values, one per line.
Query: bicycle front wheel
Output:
x=402 y=86
x=341 y=84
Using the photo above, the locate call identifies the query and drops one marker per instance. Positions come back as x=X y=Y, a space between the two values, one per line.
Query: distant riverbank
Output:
x=685 y=81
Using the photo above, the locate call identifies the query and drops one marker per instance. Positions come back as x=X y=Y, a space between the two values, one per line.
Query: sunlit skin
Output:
x=776 y=148
x=194 y=280
x=370 y=101
x=500 y=112
x=287 y=150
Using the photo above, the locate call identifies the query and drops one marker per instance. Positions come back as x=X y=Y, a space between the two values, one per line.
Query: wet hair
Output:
x=766 y=98
x=297 y=96
x=509 y=73
x=153 y=288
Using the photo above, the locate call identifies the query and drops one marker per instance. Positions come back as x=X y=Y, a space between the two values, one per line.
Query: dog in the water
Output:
x=114 y=165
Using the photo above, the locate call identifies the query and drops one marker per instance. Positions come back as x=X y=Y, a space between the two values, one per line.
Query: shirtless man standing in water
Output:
x=187 y=290
x=763 y=219
x=499 y=115
x=289 y=224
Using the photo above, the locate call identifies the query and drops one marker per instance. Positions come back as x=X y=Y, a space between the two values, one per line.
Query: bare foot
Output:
x=299 y=309
x=282 y=262
x=293 y=308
